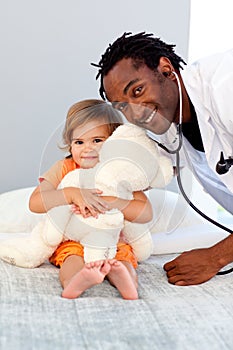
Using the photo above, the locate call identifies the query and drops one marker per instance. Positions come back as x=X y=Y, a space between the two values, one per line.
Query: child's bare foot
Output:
x=120 y=277
x=91 y=274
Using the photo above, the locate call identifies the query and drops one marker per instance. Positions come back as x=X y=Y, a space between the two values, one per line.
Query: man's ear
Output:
x=165 y=67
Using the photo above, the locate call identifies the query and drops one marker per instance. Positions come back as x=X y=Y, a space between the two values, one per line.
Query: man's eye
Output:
x=122 y=106
x=137 y=91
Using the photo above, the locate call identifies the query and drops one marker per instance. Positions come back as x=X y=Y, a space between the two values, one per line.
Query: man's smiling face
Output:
x=147 y=98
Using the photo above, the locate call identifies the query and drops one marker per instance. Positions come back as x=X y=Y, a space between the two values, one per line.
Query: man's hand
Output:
x=193 y=267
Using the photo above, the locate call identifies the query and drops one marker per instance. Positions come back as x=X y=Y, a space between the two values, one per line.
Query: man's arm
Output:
x=200 y=265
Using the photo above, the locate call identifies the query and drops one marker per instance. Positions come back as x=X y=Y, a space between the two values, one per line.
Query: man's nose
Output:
x=134 y=110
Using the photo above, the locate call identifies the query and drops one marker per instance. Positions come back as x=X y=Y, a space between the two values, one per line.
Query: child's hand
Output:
x=75 y=209
x=88 y=201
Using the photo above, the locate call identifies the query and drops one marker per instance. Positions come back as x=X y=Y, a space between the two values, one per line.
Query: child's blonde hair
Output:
x=88 y=110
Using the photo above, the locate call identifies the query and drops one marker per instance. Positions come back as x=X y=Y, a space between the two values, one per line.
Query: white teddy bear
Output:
x=129 y=161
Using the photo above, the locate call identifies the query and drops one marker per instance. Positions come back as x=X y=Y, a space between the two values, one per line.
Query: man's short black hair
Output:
x=141 y=47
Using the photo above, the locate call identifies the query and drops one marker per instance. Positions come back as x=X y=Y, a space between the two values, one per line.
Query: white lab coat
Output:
x=209 y=83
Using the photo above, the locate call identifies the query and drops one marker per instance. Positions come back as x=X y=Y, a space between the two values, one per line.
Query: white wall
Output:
x=210 y=32
x=210 y=27
x=46 y=50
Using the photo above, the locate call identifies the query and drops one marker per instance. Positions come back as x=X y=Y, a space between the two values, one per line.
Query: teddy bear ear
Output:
x=132 y=153
x=164 y=174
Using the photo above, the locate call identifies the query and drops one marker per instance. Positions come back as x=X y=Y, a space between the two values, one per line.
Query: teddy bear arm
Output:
x=55 y=225
x=164 y=173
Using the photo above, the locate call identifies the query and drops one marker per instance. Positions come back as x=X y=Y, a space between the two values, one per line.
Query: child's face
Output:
x=86 y=143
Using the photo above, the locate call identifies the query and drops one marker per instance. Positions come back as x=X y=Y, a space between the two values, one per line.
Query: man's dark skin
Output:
x=150 y=100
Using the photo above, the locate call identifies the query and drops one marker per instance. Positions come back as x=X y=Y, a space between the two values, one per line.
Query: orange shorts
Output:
x=67 y=248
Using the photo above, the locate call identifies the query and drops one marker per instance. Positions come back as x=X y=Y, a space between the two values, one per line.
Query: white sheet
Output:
x=180 y=240
x=175 y=227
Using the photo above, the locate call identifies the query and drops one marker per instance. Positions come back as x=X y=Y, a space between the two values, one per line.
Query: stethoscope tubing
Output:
x=176 y=152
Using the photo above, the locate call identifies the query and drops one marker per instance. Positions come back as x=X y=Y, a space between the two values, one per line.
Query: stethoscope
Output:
x=222 y=167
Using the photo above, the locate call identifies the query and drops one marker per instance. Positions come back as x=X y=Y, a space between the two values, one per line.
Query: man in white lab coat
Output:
x=142 y=77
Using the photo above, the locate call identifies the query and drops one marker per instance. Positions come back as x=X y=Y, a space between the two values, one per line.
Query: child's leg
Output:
x=123 y=276
x=70 y=267
x=76 y=277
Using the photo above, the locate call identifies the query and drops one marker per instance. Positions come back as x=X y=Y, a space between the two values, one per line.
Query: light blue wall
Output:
x=46 y=50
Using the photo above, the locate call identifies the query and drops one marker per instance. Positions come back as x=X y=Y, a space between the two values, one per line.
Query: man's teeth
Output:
x=151 y=116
